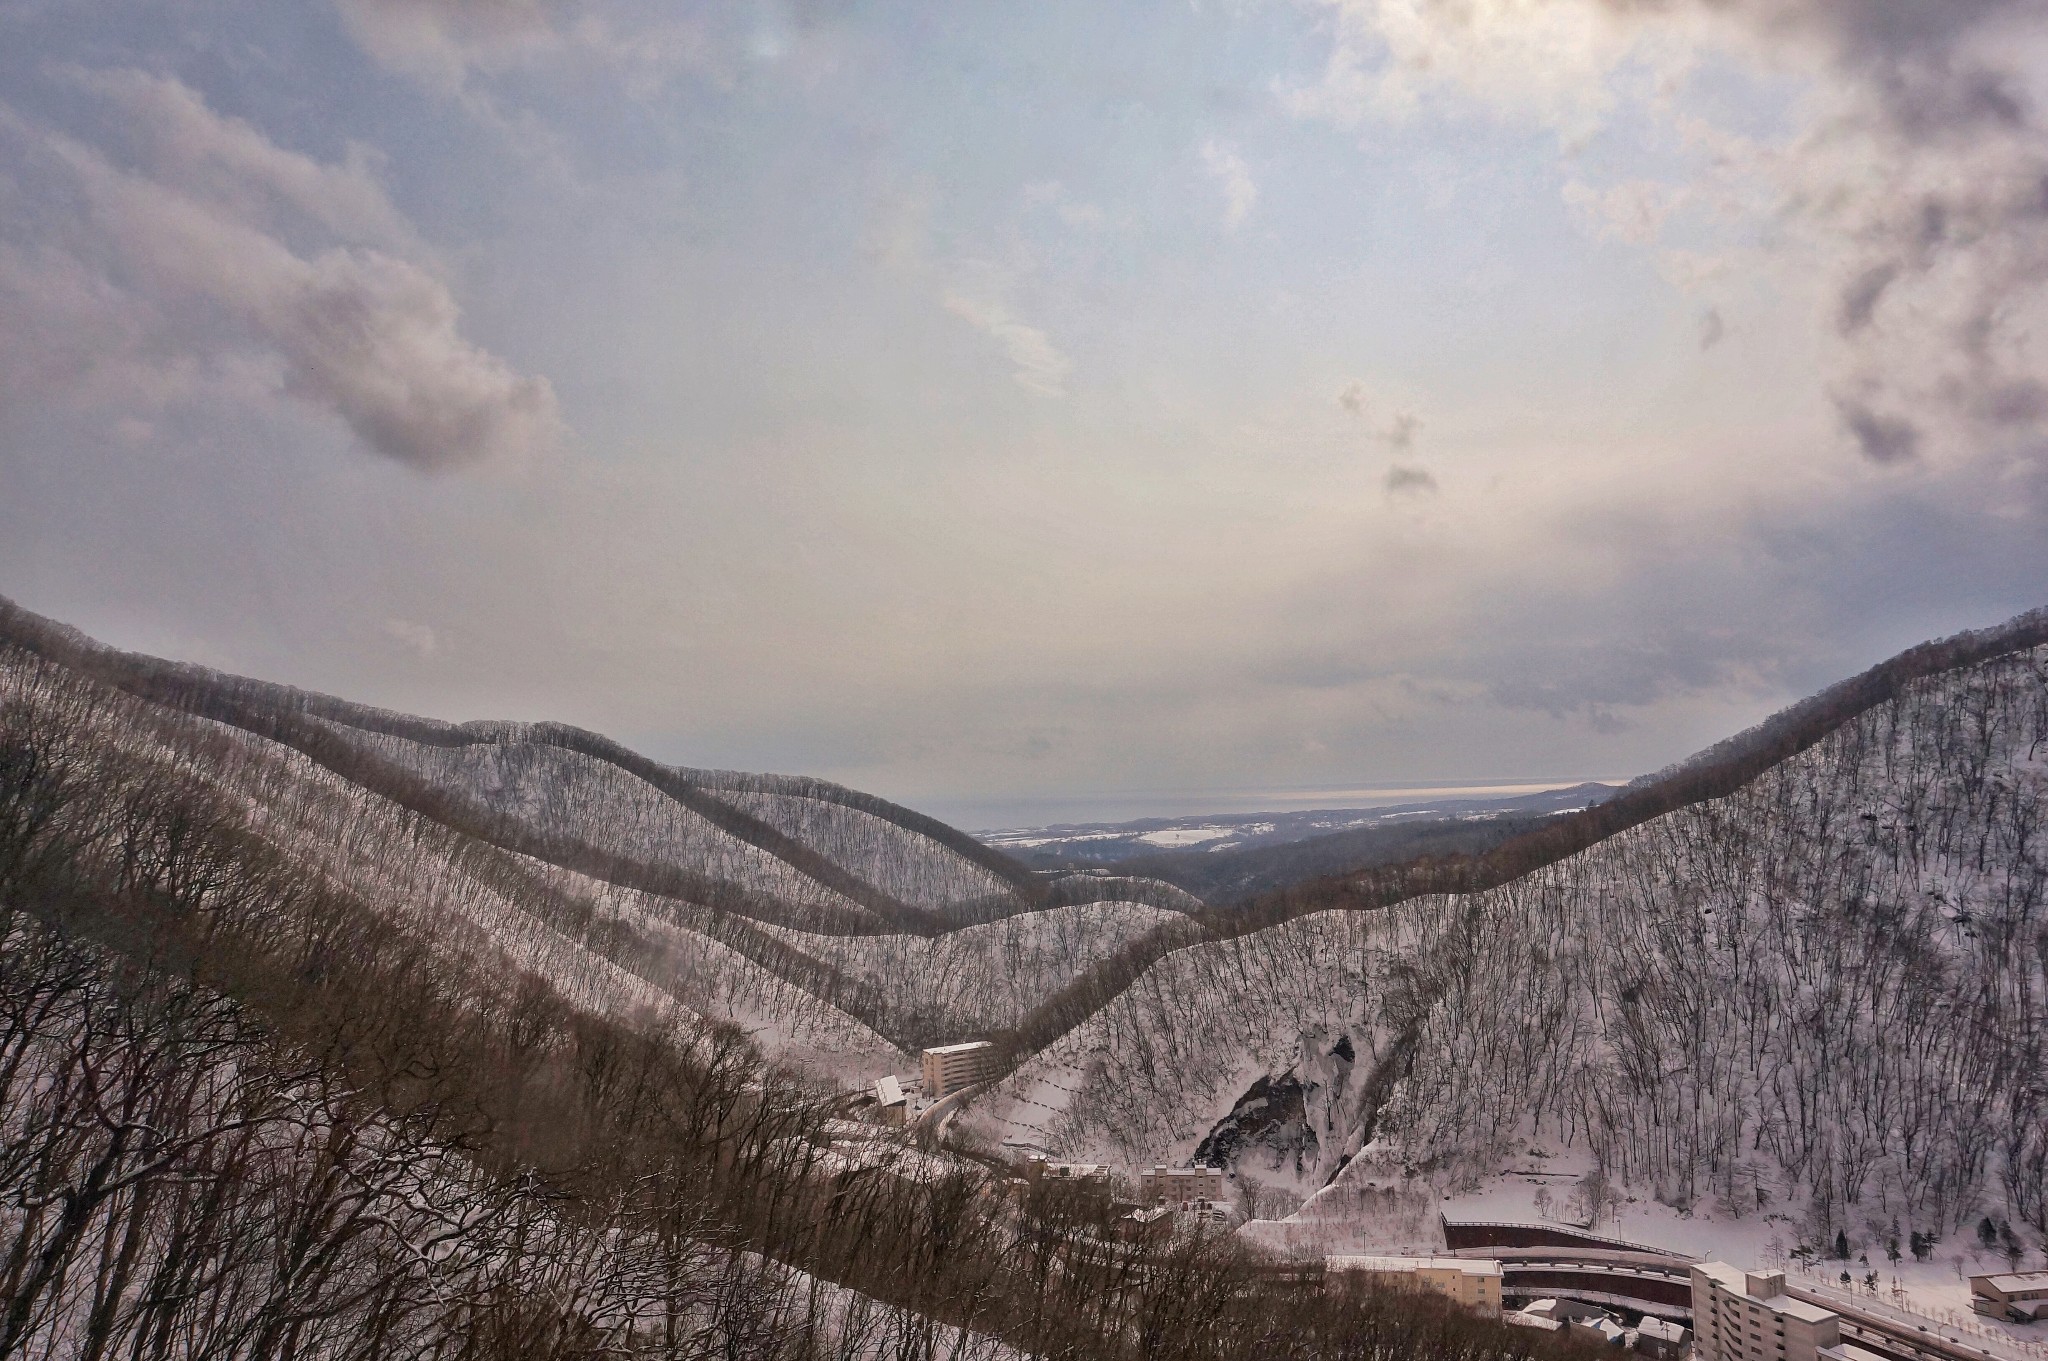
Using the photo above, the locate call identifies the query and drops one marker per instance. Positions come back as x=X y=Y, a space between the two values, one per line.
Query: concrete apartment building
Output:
x=2013 y=1296
x=953 y=1067
x=1747 y=1316
x=1181 y=1188
x=1471 y=1281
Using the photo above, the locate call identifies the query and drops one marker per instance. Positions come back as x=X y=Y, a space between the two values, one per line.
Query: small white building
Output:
x=891 y=1101
x=1661 y=1338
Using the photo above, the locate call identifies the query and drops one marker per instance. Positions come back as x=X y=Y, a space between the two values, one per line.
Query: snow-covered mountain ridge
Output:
x=839 y=928
x=1801 y=973
x=1823 y=992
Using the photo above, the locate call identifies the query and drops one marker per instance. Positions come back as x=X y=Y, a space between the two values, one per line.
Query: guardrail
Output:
x=1926 y=1332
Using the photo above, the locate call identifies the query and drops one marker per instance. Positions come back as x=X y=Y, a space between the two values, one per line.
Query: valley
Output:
x=1792 y=992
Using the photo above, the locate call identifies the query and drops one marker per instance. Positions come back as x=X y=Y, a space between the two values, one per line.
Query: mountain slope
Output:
x=1737 y=954
x=839 y=928
x=1824 y=989
x=289 y=1066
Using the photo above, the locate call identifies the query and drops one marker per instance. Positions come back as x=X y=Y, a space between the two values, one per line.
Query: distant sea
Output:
x=1128 y=805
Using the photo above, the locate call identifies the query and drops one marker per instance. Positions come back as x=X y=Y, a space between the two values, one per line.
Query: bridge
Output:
x=1544 y=1260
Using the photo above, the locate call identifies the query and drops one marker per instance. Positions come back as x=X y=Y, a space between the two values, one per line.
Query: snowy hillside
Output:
x=838 y=929
x=1824 y=994
x=979 y=980
x=1817 y=988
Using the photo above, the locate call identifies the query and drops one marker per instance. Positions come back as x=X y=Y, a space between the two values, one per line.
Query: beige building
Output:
x=1471 y=1281
x=2014 y=1296
x=1747 y=1316
x=952 y=1067
x=1181 y=1188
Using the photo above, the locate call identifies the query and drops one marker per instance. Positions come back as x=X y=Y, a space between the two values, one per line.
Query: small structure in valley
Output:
x=890 y=1099
x=1145 y=1225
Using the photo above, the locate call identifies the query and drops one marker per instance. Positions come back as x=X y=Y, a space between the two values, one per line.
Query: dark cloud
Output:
x=376 y=341
x=1411 y=481
x=1859 y=299
x=1930 y=174
x=1712 y=328
x=1401 y=431
x=1882 y=439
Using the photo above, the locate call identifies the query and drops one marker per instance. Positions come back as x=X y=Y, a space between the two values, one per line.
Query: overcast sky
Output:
x=1033 y=410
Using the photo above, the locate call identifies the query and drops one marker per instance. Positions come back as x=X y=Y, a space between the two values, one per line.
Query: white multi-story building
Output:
x=952 y=1067
x=1747 y=1316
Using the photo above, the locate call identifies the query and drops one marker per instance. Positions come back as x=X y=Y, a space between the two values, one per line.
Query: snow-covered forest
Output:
x=1819 y=992
x=1825 y=991
x=838 y=929
x=291 y=1067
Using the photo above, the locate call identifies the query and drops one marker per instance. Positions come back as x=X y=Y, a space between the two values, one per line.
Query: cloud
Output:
x=440 y=41
x=1632 y=212
x=1240 y=194
x=218 y=240
x=1402 y=480
x=1914 y=182
x=178 y=139
x=1039 y=364
x=1882 y=439
x=417 y=637
x=1534 y=58
x=444 y=43
x=1402 y=427
x=1712 y=328
x=1078 y=213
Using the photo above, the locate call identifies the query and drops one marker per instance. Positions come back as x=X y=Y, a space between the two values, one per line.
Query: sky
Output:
x=1031 y=412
